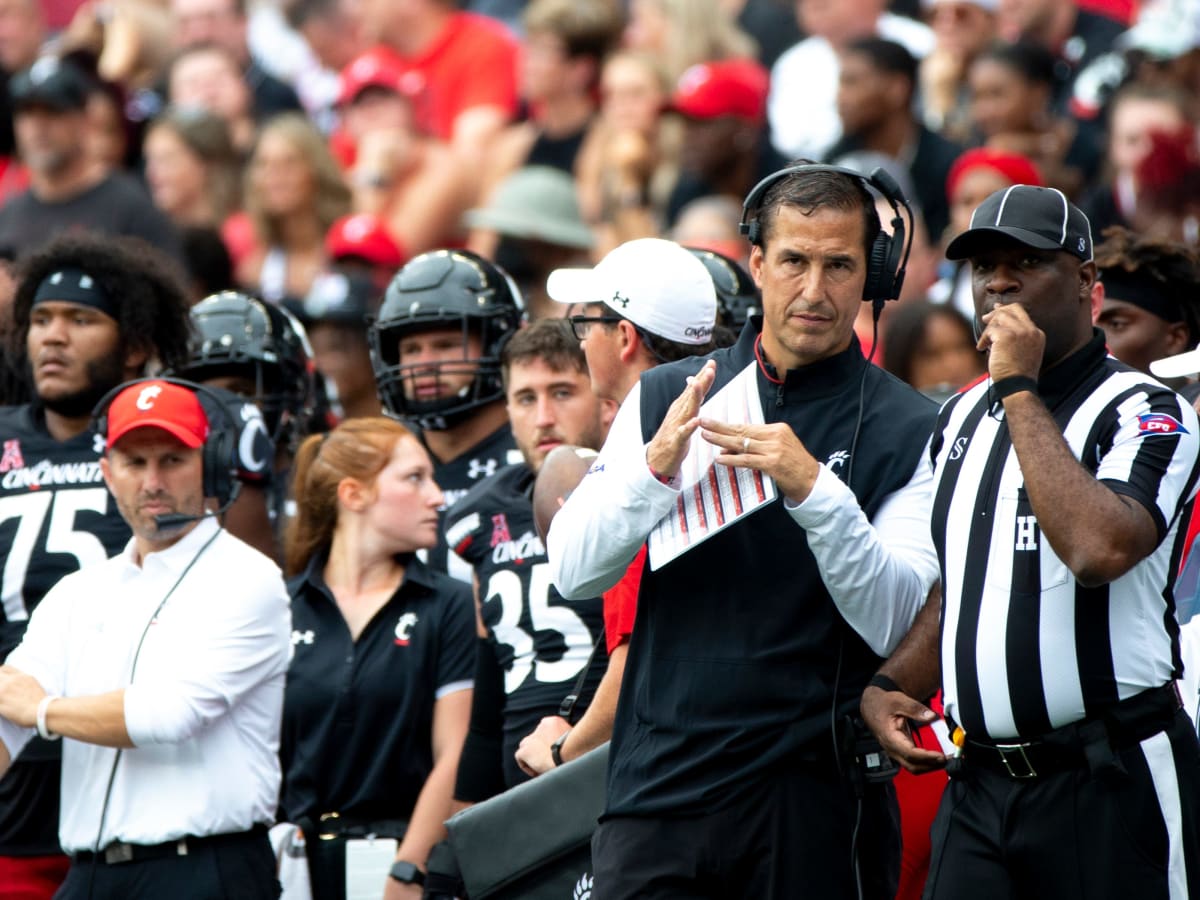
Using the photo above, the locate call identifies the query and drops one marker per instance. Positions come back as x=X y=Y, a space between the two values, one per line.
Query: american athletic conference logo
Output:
x=1159 y=423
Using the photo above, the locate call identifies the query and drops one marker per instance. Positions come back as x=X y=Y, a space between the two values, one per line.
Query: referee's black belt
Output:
x=1092 y=742
x=121 y=852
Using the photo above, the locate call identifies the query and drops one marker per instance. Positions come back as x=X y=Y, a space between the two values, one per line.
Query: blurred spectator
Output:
x=331 y=29
x=69 y=188
x=961 y=28
x=1163 y=49
x=973 y=177
x=566 y=42
x=629 y=162
x=876 y=88
x=192 y=168
x=531 y=226
x=112 y=138
x=711 y=223
x=932 y=348
x=335 y=315
x=206 y=258
x=360 y=244
x=414 y=183
x=1136 y=112
x=1012 y=87
x=1169 y=175
x=463 y=65
x=223 y=23
x=803 y=103
x=206 y=77
x=1151 y=305
x=293 y=194
x=1073 y=36
x=22 y=33
x=771 y=23
x=724 y=148
x=683 y=33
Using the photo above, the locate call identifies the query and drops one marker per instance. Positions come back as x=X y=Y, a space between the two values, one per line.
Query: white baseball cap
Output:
x=655 y=284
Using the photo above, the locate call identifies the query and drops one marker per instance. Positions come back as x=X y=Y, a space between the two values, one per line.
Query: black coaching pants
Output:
x=1074 y=835
x=788 y=838
x=236 y=870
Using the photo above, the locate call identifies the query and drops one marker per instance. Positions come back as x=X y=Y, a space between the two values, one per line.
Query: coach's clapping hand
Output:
x=771 y=449
x=670 y=444
x=20 y=695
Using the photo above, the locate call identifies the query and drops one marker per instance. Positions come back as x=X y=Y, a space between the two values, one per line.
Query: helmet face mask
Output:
x=473 y=306
x=262 y=348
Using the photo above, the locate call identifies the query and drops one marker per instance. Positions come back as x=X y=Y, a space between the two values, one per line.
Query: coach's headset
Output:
x=222 y=452
x=889 y=254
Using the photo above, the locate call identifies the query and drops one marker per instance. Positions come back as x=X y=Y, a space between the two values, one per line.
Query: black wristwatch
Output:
x=407 y=873
x=556 y=748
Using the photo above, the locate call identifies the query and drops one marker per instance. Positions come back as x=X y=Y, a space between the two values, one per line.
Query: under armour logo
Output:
x=146 y=398
x=623 y=302
x=837 y=458
x=1026 y=533
x=303 y=637
x=481 y=468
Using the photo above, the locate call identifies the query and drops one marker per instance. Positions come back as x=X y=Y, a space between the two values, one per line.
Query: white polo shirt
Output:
x=204 y=706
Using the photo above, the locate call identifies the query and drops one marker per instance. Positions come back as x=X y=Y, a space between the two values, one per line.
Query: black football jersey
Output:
x=56 y=515
x=458 y=476
x=541 y=641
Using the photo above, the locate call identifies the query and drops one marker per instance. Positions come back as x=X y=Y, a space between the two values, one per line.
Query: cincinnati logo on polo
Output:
x=1159 y=423
x=837 y=459
x=404 y=628
x=526 y=546
x=583 y=888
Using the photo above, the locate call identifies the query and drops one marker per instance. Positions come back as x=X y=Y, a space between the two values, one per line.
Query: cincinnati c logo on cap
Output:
x=148 y=395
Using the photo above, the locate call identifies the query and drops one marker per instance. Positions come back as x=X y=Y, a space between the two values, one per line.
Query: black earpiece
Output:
x=227 y=436
x=889 y=254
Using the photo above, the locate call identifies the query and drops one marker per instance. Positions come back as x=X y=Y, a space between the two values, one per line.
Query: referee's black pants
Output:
x=1074 y=835
x=233 y=870
x=786 y=838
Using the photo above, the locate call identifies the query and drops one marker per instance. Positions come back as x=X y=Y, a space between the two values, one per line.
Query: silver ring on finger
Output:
x=745 y=445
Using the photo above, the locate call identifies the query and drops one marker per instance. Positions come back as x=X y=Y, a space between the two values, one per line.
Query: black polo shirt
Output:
x=358 y=715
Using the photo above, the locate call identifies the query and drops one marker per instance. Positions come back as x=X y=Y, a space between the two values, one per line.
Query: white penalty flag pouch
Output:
x=712 y=496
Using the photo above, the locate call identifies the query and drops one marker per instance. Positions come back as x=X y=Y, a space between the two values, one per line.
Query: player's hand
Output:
x=670 y=444
x=1014 y=345
x=771 y=449
x=533 y=753
x=20 y=695
x=888 y=714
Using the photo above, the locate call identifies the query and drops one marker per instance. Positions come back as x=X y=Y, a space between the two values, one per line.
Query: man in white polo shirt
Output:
x=163 y=668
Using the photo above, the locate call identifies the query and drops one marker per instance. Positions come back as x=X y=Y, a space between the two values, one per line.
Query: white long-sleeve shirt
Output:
x=204 y=706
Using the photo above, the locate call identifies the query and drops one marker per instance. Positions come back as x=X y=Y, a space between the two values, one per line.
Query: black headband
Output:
x=73 y=285
x=1142 y=291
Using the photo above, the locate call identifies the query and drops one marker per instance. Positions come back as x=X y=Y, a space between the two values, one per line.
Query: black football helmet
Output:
x=235 y=334
x=438 y=290
x=738 y=296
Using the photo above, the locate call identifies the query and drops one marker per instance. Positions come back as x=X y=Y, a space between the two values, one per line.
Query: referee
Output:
x=1060 y=482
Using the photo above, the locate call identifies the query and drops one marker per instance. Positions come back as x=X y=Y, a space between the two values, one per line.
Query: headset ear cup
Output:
x=878 y=283
x=219 y=460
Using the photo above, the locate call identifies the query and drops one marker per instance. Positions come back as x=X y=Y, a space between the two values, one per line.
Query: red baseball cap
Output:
x=732 y=87
x=158 y=404
x=365 y=236
x=375 y=68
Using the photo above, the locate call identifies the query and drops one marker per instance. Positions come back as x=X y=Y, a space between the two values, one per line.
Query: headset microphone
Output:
x=171 y=521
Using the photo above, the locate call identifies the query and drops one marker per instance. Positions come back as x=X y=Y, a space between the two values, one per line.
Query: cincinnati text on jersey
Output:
x=47 y=474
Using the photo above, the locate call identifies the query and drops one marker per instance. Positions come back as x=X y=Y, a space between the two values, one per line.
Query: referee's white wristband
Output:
x=44 y=732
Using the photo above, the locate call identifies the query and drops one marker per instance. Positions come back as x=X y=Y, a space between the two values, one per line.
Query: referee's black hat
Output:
x=1034 y=216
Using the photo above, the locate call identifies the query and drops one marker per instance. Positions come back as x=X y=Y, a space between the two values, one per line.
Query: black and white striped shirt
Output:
x=1025 y=648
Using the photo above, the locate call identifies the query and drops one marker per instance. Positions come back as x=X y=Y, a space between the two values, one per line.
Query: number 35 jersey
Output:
x=541 y=641
x=56 y=515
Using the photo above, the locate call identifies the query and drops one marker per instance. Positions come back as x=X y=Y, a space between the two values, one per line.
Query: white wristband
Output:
x=42 y=730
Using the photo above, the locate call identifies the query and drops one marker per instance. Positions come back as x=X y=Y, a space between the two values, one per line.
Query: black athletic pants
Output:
x=1074 y=835
x=787 y=838
x=230 y=870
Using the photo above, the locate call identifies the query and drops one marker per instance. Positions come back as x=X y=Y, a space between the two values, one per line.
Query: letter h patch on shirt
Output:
x=1027 y=533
